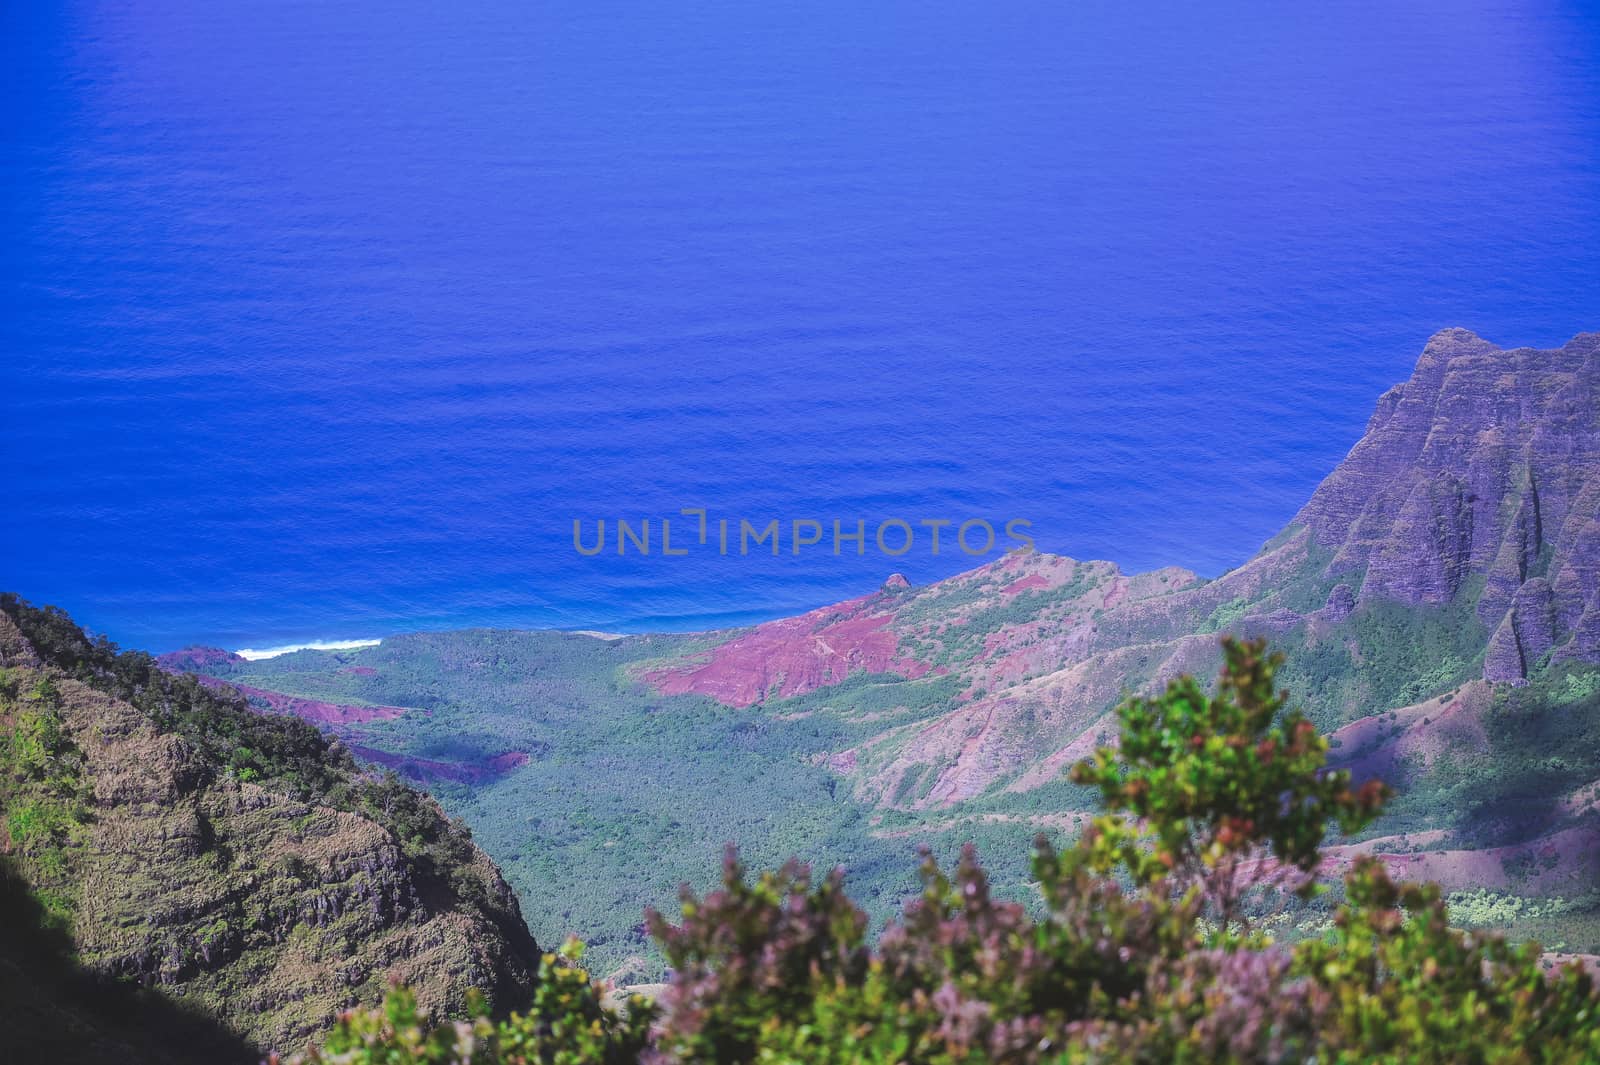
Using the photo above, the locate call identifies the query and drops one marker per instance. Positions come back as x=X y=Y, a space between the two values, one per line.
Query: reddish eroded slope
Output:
x=1040 y=642
x=315 y=711
x=902 y=630
x=1044 y=644
x=1040 y=684
x=334 y=717
x=206 y=663
x=796 y=655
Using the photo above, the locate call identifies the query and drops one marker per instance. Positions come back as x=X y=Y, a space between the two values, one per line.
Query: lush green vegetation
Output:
x=1385 y=656
x=618 y=771
x=46 y=808
x=1142 y=951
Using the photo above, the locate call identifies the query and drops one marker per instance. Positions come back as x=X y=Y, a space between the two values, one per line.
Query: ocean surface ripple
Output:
x=324 y=321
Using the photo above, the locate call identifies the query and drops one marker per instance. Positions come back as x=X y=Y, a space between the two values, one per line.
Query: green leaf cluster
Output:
x=568 y=1023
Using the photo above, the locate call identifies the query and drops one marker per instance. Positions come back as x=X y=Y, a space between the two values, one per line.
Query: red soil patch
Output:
x=792 y=656
x=1115 y=595
x=505 y=763
x=1561 y=960
x=360 y=671
x=314 y=710
x=843 y=762
x=1025 y=584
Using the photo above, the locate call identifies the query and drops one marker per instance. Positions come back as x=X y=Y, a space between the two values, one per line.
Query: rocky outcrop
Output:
x=1341 y=603
x=1483 y=470
x=1527 y=631
x=1476 y=487
x=272 y=903
x=1505 y=660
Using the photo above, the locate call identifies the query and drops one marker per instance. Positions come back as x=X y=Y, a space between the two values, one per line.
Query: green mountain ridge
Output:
x=232 y=865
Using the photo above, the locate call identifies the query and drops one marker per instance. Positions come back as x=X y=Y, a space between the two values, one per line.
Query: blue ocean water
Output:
x=325 y=320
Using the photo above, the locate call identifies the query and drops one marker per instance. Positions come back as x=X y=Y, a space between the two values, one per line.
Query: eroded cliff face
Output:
x=1480 y=476
x=268 y=908
x=1459 y=539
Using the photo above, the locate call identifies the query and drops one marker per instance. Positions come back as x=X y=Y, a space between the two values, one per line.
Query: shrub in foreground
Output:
x=567 y=1023
x=1145 y=950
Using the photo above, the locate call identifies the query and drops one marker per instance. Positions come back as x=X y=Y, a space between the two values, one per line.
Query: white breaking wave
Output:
x=254 y=655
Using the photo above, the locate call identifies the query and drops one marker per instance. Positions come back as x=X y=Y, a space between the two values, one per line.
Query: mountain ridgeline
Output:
x=1479 y=481
x=226 y=832
x=1438 y=598
x=161 y=835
